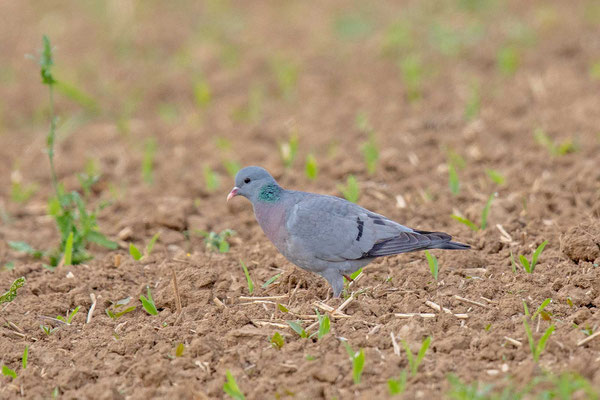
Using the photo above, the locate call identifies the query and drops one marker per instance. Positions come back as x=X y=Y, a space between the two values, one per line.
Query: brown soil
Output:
x=139 y=61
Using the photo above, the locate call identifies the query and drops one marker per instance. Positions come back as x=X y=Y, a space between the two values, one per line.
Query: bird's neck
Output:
x=269 y=193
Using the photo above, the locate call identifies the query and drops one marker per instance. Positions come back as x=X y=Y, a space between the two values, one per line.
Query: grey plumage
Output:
x=325 y=234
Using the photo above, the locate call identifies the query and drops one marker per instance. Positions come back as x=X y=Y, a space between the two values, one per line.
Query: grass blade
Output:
x=433 y=264
x=422 y=352
x=248 y=279
x=151 y=243
x=358 y=364
x=465 y=221
x=134 y=251
x=148 y=303
x=69 y=249
x=25 y=357
x=541 y=345
x=537 y=253
x=231 y=388
x=486 y=211
x=525 y=263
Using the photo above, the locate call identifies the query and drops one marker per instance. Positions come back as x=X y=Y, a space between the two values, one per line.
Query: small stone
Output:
x=70 y=275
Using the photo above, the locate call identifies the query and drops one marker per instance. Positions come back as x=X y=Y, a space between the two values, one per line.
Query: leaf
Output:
x=397 y=386
x=282 y=308
x=179 y=350
x=486 y=211
x=433 y=264
x=151 y=243
x=25 y=357
x=495 y=176
x=72 y=315
x=311 y=169
x=529 y=334
x=409 y=357
x=453 y=181
x=525 y=264
x=231 y=387
x=223 y=246
x=351 y=191
x=135 y=253
x=422 y=351
x=324 y=326
x=270 y=281
x=541 y=308
x=69 y=250
x=537 y=253
x=25 y=248
x=101 y=240
x=277 y=340
x=12 y=291
x=296 y=327
x=465 y=221
x=248 y=279
x=541 y=345
x=9 y=372
x=358 y=364
x=148 y=303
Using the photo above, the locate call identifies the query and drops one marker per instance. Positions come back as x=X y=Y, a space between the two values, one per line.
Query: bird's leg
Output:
x=348 y=278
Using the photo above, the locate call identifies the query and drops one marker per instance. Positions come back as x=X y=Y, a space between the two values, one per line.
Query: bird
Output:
x=328 y=235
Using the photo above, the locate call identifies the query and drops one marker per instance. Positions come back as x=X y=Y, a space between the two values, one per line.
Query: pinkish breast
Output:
x=271 y=218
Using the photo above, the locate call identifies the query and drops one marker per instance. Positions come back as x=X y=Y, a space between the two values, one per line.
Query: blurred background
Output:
x=186 y=91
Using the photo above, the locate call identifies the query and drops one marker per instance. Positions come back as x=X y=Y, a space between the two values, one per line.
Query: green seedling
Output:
x=282 y=308
x=251 y=112
x=495 y=176
x=311 y=169
x=232 y=389
x=473 y=104
x=232 y=167
x=412 y=70
x=270 y=281
x=358 y=362
x=484 y=216
x=89 y=177
x=9 y=372
x=179 y=350
x=537 y=348
x=211 y=179
x=433 y=264
x=76 y=225
x=474 y=391
x=414 y=362
x=68 y=257
x=455 y=163
x=25 y=357
x=21 y=193
x=48 y=330
x=554 y=148
x=248 y=279
x=26 y=248
x=12 y=291
x=370 y=154
x=508 y=60
x=217 y=241
x=398 y=38
x=202 y=93
x=397 y=386
x=115 y=311
x=9 y=266
x=148 y=303
x=352 y=26
x=69 y=316
x=168 y=112
x=277 y=341
x=148 y=160
x=288 y=150
x=296 y=327
x=137 y=254
x=286 y=74
x=324 y=325
x=350 y=191
x=529 y=266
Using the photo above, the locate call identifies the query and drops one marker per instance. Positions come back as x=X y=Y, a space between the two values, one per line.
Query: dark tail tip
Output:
x=452 y=246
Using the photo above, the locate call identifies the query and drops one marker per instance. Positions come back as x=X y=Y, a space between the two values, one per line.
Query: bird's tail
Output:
x=414 y=241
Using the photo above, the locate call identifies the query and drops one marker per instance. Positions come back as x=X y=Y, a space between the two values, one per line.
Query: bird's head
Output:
x=252 y=183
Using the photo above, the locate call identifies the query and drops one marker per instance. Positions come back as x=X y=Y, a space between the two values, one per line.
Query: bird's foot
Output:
x=348 y=278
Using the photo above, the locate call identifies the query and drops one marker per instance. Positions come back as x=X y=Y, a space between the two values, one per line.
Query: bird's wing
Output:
x=333 y=229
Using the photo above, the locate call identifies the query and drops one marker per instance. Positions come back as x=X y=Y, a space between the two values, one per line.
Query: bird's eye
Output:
x=247 y=180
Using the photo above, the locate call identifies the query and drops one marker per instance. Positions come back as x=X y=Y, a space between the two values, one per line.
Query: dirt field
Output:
x=511 y=87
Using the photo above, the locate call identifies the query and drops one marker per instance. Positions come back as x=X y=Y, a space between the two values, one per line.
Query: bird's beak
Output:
x=233 y=193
